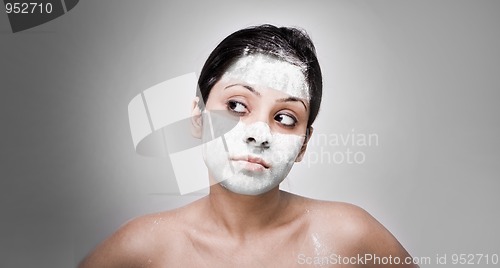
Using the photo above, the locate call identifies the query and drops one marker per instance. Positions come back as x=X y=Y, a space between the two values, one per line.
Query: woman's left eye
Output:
x=286 y=120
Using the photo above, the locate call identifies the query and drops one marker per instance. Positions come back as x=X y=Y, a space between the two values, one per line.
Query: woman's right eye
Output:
x=237 y=107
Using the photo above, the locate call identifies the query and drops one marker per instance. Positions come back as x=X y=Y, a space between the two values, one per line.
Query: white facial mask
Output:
x=268 y=71
x=253 y=160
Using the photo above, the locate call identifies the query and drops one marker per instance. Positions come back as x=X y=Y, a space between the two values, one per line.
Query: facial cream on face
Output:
x=251 y=160
x=270 y=72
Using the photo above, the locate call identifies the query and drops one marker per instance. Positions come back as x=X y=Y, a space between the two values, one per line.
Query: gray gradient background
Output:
x=424 y=76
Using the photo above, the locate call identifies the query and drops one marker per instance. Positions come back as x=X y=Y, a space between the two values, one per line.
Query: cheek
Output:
x=217 y=159
x=285 y=148
x=214 y=151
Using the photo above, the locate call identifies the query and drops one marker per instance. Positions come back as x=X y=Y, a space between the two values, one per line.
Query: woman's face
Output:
x=271 y=99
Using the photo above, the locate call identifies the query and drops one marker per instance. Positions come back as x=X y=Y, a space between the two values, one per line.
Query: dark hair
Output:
x=289 y=44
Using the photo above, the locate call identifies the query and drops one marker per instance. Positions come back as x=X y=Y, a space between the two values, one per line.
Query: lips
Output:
x=252 y=160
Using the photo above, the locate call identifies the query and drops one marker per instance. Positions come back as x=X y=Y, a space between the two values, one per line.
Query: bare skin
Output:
x=223 y=229
x=273 y=229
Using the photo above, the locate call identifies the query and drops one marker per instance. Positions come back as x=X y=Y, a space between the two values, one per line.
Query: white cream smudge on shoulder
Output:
x=320 y=248
x=269 y=71
x=317 y=244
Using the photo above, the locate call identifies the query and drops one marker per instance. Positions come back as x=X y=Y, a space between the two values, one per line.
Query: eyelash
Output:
x=230 y=103
x=289 y=115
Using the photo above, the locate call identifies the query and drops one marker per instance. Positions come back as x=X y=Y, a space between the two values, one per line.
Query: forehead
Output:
x=265 y=71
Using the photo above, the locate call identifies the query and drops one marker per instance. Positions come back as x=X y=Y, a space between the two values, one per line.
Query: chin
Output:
x=247 y=185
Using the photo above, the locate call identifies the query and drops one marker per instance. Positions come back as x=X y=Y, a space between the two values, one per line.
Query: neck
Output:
x=244 y=215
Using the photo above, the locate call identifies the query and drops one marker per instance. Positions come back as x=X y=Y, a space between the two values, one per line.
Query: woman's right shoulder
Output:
x=139 y=241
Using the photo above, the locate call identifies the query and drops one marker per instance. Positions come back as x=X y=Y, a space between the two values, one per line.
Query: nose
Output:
x=258 y=134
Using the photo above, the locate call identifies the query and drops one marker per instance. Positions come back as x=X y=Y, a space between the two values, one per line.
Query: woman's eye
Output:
x=286 y=120
x=237 y=107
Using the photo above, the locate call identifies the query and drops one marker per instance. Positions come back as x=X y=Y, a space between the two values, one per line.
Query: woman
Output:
x=270 y=79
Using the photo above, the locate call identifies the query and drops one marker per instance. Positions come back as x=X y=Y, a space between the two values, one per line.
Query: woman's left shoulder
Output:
x=342 y=219
x=349 y=217
x=354 y=228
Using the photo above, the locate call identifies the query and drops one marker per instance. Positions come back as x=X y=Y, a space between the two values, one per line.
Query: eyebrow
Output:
x=251 y=89
x=292 y=99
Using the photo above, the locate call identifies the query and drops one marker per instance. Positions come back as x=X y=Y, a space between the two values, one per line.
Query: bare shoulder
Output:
x=140 y=241
x=341 y=219
x=349 y=218
x=353 y=230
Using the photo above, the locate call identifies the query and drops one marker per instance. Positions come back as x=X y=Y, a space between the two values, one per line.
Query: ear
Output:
x=309 y=132
x=196 y=119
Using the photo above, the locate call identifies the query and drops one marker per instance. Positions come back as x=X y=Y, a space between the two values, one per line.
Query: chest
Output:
x=282 y=257
x=292 y=250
